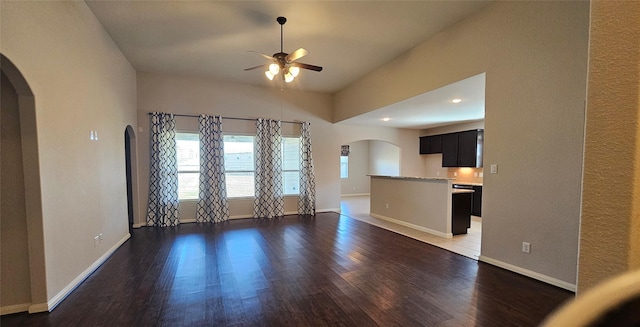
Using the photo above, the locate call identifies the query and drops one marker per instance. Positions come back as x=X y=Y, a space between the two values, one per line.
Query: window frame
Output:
x=190 y=171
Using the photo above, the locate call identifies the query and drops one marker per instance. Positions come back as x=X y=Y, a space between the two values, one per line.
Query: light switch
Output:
x=494 y=168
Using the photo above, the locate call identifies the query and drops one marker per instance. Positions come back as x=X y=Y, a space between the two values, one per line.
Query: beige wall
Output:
x=610 y=228
x=358 y=181
x=535 y=58
x=14 y=273
x=421 y=204
x=80 y=82
x=384 y=158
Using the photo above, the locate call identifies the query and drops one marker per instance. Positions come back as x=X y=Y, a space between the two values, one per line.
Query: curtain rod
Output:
x=233 y=118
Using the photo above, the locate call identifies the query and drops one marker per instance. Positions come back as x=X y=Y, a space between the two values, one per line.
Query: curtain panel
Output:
x=307 y=195
x=212 y=200
x=162 y=209
x=269 y=200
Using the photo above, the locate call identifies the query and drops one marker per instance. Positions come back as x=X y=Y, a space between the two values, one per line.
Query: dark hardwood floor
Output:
x=296 y=271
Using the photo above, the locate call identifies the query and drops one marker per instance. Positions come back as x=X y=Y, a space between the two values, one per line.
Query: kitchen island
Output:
x=422 y=203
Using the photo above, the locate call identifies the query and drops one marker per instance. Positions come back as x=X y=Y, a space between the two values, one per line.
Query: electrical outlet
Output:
x=475 y=174
x=494 y=168
x=526 y=247
x=386 y=205
x=455 y=174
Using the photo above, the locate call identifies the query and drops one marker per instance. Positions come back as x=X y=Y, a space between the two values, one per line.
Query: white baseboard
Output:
x=410 y=225
x=529 y=273
x=193 y=220
x=14 y=308
x=53 y=302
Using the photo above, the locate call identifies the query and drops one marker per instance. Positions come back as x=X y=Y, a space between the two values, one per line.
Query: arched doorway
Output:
x=24 y=285
x=368 y=157
x=127 y=156
x=131 y=175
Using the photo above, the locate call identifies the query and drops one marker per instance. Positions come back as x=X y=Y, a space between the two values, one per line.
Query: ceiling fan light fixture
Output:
x=288 y=77
x=294 y=71
x=274 y=69
x=269 y=75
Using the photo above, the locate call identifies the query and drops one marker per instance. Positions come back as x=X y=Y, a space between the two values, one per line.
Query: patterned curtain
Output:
x=212 y=201
x=163 y=173
x=344 y=150
x=269 y=201
x=307 y=196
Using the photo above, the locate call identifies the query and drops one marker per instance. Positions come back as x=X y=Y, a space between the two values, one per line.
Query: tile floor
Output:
x=357 y=207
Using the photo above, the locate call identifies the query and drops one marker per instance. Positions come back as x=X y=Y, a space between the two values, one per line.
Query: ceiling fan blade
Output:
x=256 y=67
x=307 y=66
x=296 y=55
x=262 y=54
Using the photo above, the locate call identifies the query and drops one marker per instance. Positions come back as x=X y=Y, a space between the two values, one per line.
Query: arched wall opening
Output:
x=368 y=157
x=24 y=287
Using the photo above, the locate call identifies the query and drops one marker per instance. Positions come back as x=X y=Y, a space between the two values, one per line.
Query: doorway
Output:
x=129 y=155
x=22 y=260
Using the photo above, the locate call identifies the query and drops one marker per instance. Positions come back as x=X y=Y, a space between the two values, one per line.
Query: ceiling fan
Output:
x=285 y=62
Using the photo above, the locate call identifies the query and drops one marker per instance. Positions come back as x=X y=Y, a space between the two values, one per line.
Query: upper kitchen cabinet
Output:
x=431 y=144
x=463 y=149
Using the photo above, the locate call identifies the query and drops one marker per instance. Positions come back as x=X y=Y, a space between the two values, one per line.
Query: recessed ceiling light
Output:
x=386 y=119
x=456 y=100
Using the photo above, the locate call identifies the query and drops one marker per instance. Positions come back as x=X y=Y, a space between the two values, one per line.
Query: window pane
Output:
x=291 y=181
x=238 y=153
x=188 y=151
x=240 y=184
x=344 y=167
x=188 y=157
x=188 y=186
x=290 y=153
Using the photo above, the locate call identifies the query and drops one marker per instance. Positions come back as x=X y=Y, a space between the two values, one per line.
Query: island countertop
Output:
x=415 y=178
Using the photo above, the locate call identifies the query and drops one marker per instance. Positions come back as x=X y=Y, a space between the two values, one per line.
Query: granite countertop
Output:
x=416 y=178
x=461 y=190
x=467 y=183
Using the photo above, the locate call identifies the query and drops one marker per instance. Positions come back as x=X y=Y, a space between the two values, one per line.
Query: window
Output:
x=344 y=166
x=188 y=155
x=290 y=165
x=239 y=165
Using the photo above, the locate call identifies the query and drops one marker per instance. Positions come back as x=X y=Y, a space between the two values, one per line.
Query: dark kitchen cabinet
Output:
x=450 y=150
x=462 y=149
x=476 y=207
x=431 y=144
x=460 y=213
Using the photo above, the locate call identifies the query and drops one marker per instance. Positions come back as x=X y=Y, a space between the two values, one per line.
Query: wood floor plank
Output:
x=329 y=270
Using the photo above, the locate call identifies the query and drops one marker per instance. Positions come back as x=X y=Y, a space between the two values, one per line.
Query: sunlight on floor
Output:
x=357 y=207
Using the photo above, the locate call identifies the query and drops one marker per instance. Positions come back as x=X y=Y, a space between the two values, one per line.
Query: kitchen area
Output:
x=445 y=207
x=440 y=205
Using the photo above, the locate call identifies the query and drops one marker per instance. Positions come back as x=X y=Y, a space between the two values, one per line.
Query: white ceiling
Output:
x=211 y=39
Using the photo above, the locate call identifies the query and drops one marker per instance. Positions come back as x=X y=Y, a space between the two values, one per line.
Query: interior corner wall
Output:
x=81 y=82
x=534 y=54
x=610 y=227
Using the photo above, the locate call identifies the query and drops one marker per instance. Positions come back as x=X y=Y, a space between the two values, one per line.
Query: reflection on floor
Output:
x=357 y=207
